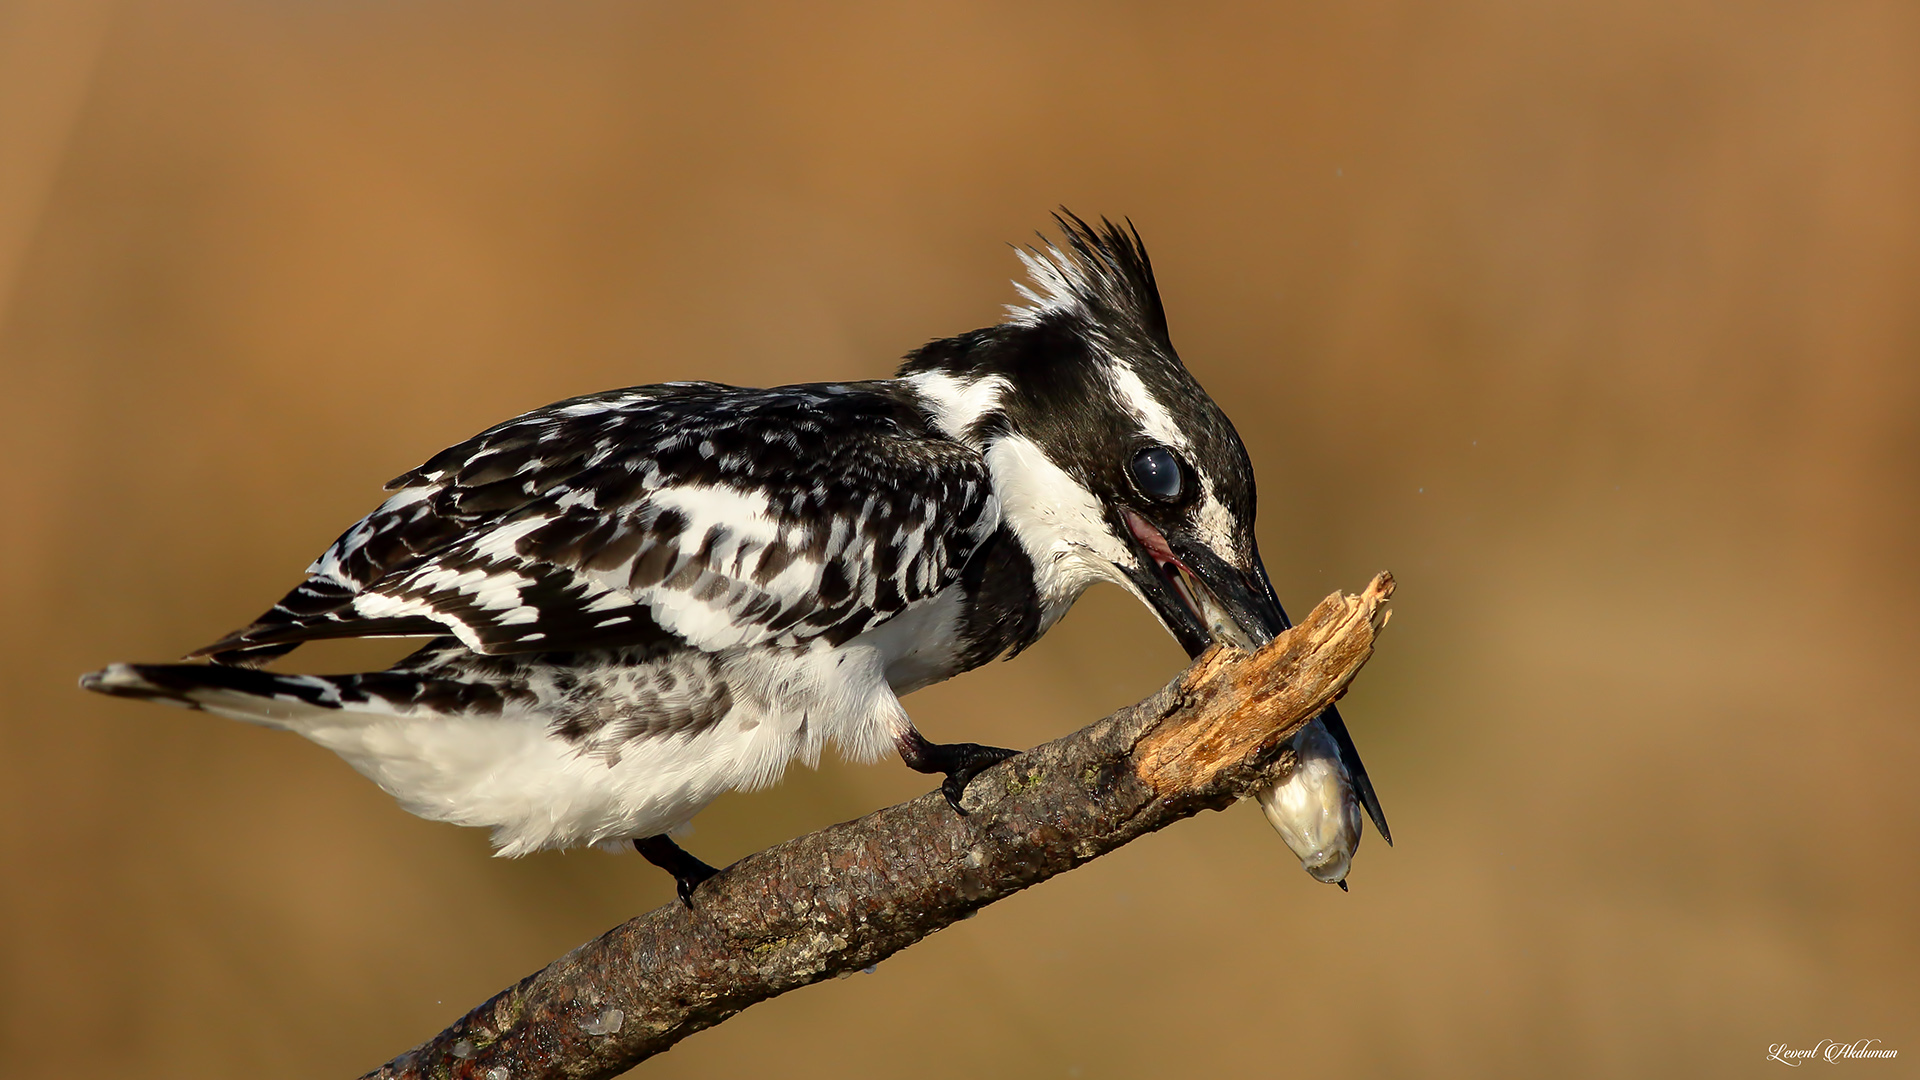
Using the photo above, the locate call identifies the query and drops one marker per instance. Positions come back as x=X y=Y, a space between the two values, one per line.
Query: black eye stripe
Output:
x=1156 y=472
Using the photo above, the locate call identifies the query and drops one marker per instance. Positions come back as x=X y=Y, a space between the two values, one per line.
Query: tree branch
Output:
x=853 y=894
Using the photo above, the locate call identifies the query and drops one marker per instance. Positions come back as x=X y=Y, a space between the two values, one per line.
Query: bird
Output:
x=640 y=599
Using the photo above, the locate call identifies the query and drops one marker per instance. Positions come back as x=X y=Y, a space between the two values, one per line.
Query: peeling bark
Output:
x=846 y=897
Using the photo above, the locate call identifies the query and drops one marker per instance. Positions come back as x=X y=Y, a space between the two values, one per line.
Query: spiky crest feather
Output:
x=1101 y=279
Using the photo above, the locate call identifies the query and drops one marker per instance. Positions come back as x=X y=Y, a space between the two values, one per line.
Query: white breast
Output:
x=535 y=789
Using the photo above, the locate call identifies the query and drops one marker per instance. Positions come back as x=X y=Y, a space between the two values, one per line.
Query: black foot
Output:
x=688 y=872
x=960 y=761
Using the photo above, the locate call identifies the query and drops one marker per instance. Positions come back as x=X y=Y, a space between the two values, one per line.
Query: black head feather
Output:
x=1093 y=292
x=1093 y=316
x=1101 y=278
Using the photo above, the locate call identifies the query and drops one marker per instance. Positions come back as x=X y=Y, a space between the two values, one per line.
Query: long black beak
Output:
x=1204 y=599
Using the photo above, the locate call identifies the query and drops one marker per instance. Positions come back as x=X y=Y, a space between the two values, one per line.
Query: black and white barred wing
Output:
x=686 y=514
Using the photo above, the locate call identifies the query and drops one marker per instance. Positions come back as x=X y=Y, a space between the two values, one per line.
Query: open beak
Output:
x=1203 y=599
x=1200 y=596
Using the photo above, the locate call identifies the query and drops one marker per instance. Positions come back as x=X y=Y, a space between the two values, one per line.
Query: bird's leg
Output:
x=961 y=762
x=688 y=872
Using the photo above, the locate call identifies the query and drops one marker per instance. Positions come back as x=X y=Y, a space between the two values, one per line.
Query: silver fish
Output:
x=1314 y=807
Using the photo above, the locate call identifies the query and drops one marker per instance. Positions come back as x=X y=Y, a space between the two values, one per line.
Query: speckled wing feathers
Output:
x=683 y=514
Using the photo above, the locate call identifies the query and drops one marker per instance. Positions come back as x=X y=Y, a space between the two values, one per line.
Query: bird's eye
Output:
x=1156 y=472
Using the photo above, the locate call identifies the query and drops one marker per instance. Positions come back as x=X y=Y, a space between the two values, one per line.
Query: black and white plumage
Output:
x=644 y=598
x=689 y=514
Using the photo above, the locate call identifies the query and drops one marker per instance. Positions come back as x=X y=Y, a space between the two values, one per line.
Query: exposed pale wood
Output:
x=836 y=901
x=1232 y=700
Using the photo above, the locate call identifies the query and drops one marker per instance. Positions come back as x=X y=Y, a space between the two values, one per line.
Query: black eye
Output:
x=1156 y=472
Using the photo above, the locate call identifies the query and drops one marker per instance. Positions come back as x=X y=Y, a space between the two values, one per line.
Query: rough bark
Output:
x=846 y=897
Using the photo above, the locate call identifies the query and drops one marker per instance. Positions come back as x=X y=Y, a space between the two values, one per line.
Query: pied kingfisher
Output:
x=643 y=598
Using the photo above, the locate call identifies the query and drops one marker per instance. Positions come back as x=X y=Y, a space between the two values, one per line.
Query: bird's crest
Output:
x=1098 y=277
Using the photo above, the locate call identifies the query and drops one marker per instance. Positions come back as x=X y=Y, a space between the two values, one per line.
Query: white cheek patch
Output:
x=1058 y=522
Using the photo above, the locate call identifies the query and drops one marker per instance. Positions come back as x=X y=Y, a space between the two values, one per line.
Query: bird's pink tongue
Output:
x=1173 y=569
x=1150 y=539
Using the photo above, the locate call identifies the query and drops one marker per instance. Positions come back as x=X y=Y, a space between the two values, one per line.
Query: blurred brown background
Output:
x=1595 y=322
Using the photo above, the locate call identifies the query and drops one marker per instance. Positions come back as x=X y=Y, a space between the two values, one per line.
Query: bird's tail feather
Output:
x=293 y=702
x=259 y=697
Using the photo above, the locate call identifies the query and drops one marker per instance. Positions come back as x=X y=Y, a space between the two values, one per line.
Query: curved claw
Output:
x=982 y=758
x=683 y=887
x=688 y=872
x=961 y=762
